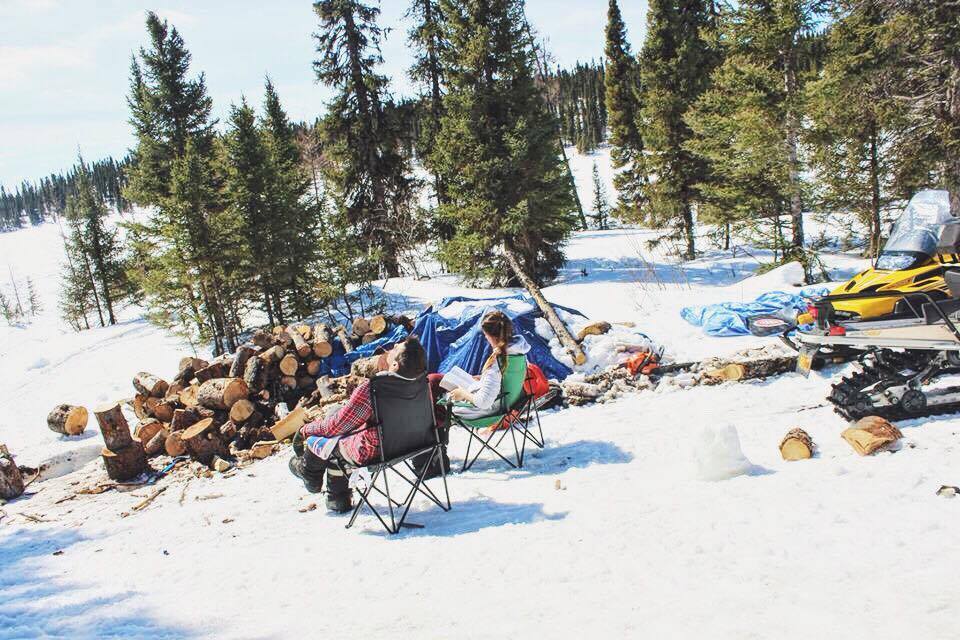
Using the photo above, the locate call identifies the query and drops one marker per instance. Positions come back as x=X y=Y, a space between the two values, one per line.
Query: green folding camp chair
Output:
x=515 y=411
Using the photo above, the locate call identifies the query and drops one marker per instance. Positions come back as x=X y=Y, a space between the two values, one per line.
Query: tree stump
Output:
x=125 y=463
x=796 y=445
x=68 y=419
x=222 y=393
x=289 y=365
x=871 y=434
x=11 y=480
x=113 y=426
x=202 y=441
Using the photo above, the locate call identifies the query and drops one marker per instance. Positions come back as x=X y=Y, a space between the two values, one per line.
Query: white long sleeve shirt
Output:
x=486 y=390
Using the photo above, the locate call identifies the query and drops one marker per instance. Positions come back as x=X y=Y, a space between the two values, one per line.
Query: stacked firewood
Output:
x=247 y=400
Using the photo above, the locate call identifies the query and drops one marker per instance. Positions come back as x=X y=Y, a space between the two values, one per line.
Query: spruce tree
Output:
x=623 y=106
x=601 y=207
x=180 y=255
x=675 y=66
x=747 y=126
x=498 y=146
x=369 y=171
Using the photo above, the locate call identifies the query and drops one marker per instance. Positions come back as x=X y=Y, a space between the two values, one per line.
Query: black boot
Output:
x=435 y=468
x=339 y=494
x=311 y=475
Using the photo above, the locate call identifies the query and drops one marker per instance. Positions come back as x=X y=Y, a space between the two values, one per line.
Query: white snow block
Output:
x=716 y=454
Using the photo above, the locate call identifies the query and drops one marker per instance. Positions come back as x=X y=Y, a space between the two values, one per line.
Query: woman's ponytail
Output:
x=498 y=326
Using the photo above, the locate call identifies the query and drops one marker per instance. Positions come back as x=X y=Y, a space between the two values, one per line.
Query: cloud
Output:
x=20 y=62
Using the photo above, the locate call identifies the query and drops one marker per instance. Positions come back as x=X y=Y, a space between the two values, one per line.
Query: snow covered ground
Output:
x=611 y=529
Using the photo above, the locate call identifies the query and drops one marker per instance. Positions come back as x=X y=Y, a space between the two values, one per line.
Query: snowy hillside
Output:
x=612 y=529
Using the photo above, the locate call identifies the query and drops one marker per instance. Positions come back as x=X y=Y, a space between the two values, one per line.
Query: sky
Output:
x=64 y=64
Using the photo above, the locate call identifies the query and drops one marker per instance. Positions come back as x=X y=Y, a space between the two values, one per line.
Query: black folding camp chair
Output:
x=403 y=416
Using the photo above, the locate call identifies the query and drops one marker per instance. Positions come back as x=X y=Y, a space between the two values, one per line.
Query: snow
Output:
x=662 y=514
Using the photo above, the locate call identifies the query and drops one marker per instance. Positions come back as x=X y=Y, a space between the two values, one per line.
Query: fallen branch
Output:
x=146 y=501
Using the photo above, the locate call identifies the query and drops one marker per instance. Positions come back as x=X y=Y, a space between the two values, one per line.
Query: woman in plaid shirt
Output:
x=347 y=434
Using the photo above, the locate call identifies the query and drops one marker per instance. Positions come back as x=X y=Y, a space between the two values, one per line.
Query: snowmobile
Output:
x=907 y=355
x=908 y=270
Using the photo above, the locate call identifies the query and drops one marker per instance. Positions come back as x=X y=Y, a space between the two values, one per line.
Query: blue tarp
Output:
x=458 y=341
x=730 y=318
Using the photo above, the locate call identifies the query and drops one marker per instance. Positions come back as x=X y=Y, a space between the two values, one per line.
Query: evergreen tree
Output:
x=498 y=146
x=675 y=66
x=430 y=45
x=623 y=106
x=747 y=125
x=33 y=299
x=369 y=170
x=182 y=253
x=8 y=310
x=601 y=207
x=854 y=121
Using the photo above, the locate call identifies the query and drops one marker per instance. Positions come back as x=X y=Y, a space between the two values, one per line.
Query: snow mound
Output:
x=716 y=454
x=783 y=277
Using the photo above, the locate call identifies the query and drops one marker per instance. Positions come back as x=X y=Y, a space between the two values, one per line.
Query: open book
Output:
x=455 y=378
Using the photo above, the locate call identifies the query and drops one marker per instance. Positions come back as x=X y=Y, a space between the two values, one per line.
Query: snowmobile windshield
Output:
x=915 y=235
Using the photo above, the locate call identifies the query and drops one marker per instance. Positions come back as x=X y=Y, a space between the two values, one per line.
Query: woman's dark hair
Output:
x=412 y=361
x=498 y=326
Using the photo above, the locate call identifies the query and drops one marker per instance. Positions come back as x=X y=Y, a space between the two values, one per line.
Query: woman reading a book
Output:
x=482 y=392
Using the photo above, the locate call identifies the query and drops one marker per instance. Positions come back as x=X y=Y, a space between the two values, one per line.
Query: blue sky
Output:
x=64 y=63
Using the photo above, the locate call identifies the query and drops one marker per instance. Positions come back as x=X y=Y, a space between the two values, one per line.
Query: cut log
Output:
x=68 y=419
x=361 y=327
x=262 y=449
x=160 y=409
x=593 y=329
x=222 y=393
x=871 y=434
x=559 y=328
x=262 y=339
x=157 y=443
x=173 y=393
x=273 y=355
x=228 y=431
x=139 y=404
x=188 y=397
x=289 y=424
x=202 y=441
x=145 y=431
x=289 y=365
x=113 y=426
x=796 y=445
x=729 y=373
x=150 y=385
x=125 y=463
x=322 y=341
x=289 y=382
x=378 y=324
x=221 y=465
x=240 y=358
x=253 y=373
x=582 y=389
x=241 y=410
x=193 y=363
x=182 y=418
x=11 y=480
x=301 y=346
x=174 y=445
x=214 y=370
x=306 y=331
x=344 y=338
x=313 y=367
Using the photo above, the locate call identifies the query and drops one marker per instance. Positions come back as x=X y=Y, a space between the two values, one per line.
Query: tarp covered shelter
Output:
x=450 y=333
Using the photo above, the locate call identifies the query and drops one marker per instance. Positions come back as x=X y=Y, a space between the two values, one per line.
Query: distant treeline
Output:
x=34 y=202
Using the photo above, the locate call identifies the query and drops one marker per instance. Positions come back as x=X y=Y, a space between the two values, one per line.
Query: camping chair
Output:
x=403 y=417
x=516 y=409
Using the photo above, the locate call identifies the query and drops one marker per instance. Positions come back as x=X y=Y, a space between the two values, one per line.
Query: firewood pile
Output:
x=237 y=405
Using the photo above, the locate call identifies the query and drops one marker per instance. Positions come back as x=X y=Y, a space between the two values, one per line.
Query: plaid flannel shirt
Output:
x=361 y=448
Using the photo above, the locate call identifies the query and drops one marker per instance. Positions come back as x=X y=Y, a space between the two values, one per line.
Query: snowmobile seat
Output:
x=403 y=416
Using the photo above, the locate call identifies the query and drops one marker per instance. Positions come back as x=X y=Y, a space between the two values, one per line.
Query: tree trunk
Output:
x=691 y=252
x=792 y=122
x=559 y=328
x=125 y=463
x=874 y=195
x=67 y=419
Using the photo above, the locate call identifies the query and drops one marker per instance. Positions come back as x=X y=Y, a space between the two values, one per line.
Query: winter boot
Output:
x=339 y=494
x=307 y=470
